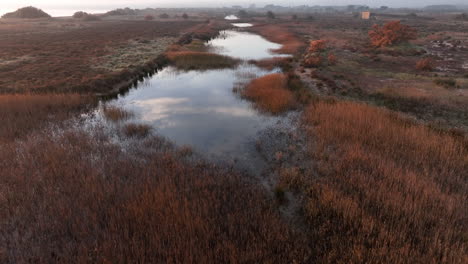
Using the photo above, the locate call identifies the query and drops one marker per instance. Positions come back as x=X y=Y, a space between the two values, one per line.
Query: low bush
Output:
x=447 y=83
x=426 y=64
x=149 y=18
x=391 y=33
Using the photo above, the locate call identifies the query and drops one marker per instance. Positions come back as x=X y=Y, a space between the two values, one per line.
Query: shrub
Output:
x=91 y=17
x=426 y=64
x=313 y=61
x=185 y=16
x=447 y=83
x=149 y=17
x=270 y=93
x=318 y=54
x=390 y=34
x=462 y=17
x=122 y=12
x=332 y=60
x=79 y=14
x=271 y=15
x=317 y=45
x=164 y=16
x=27 y=12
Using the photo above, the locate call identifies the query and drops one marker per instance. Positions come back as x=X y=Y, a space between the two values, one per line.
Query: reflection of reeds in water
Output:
x=243 y=78
x=115 y=113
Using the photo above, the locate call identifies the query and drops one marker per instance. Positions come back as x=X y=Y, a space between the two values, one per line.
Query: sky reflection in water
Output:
x=199 y=108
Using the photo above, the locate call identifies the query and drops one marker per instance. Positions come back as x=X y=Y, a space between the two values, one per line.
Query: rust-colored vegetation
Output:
x=318 y=54
x=75 y=198
x=387 y=190
x=68 y=60
x=426 y=64
x=270 y=93
x=291 y=43
x=115 y=113
x=20 y=114
x=391 y=33
x=137 y=130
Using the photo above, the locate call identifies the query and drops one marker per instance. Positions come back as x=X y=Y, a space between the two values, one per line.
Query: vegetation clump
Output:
x=149 y=18
x=426 y=64
x=164 y=16
x=446 y=82
x=270 y=93
x=137 y=130
x=197 y=60
x=122 y=12
x=319 y=54
x=115 y=114
x=29 y=12
x=390 y=34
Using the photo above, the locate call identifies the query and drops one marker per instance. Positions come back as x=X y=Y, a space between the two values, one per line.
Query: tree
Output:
x=242 y=13
x=271 y=15
x=185 y=16
x=391 y=33
x=294 y=17
x=79 y=14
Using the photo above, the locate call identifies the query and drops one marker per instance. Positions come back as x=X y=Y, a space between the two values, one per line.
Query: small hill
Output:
x=27 y=12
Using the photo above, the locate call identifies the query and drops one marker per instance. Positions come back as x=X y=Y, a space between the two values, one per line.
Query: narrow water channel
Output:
x=200 y=109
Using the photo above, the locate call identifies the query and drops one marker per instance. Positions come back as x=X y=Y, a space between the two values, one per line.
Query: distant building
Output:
x=366 y=15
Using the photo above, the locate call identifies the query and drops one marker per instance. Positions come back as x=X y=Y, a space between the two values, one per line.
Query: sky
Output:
x=65 y=7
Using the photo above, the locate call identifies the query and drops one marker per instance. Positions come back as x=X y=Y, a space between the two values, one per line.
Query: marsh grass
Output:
x=21 y=114
x=76 y=198
x=116 y=114
x=383 y=188
x=137 y=130
x=191 y=60
x=270 y=93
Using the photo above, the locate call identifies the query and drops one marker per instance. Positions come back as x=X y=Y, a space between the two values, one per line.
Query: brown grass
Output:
x=74 y=198
x=115 y=114
x=388 y=190
x=60 y=56
x=194 y=60
x=21 y=114
x=291 y=43
x=137 y=130
x=270 y=93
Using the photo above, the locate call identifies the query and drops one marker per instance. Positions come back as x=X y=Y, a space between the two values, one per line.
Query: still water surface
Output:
x=199 y=108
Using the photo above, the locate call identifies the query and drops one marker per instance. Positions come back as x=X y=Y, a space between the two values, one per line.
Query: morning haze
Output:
x=233 y=132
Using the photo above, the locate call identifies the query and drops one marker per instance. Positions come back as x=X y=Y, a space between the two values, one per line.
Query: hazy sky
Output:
x=56 y=6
